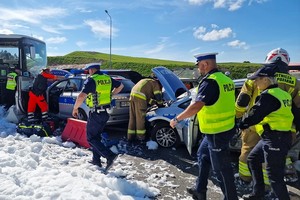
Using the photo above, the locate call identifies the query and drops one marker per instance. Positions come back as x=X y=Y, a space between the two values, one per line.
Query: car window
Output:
x=62 y=84
x=128 y=84
x=74 y=85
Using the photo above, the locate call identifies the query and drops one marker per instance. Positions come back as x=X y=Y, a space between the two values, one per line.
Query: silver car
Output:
x=178 y=99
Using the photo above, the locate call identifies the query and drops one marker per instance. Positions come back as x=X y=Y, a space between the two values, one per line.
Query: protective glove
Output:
x=160 y=105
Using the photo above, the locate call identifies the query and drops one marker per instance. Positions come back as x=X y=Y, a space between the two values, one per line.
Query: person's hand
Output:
x=173 y=123
x=75 y=112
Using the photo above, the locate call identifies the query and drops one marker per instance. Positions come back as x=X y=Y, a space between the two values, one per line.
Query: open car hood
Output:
x=173 y=86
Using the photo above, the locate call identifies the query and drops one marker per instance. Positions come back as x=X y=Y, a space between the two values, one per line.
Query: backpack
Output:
x=42 y=130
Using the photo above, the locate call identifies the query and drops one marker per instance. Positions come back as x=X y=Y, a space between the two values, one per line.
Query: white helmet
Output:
x=276 y=55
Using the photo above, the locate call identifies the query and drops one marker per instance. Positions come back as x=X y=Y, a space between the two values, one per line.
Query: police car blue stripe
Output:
x=67 y=100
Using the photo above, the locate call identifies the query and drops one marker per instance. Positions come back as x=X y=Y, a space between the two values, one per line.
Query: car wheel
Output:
x=82 y=115
x=164 y=135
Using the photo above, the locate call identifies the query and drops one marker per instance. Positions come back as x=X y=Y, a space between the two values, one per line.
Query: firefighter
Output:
x=97 y=91
x=11 y=85
x=146 y=92
x=37 y=92
x=217 y=123
x=272 y=116
x=278 y=60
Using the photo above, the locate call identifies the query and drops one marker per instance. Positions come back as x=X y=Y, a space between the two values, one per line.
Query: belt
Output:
x=100 y=109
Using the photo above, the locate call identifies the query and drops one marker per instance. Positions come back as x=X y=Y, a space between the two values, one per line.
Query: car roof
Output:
x=126 y=73
x=239 y=82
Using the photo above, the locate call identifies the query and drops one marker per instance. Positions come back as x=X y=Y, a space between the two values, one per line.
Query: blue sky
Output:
x=239 y=30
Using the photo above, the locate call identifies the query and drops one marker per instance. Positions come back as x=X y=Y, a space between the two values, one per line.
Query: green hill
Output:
x=142 y=65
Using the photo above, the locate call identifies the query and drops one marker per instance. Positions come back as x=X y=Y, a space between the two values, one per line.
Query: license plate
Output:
x=124 y=103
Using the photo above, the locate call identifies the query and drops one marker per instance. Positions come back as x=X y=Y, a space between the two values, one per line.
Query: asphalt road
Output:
x=180 y=167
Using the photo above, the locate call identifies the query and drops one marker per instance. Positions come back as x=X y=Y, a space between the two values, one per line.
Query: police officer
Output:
x=278 y=60
x=37 y=92
x=217 y=123
x=11 y=85
x=97 y=91
x=146 y=92
x=273 y=118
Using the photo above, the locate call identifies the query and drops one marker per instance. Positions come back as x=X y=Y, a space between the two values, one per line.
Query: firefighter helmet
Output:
x=277 y=55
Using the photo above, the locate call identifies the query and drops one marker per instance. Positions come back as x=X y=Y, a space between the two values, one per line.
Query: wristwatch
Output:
x=176 y=120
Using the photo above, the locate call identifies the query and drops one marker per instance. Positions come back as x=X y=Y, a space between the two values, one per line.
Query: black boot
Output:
x=252 y=197
x=196 y=195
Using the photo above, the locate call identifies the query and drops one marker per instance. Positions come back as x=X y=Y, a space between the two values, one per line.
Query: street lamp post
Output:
x=110 y=63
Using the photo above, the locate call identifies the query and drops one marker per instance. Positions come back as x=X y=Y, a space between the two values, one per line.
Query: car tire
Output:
x=82 y=115
x=164 y=135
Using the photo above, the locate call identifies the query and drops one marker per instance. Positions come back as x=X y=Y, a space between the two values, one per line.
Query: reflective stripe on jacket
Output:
x=148 y=90
x=103 y=91
x=249 y=88
x=281 y=119
x=220 y=116
x=11 y=81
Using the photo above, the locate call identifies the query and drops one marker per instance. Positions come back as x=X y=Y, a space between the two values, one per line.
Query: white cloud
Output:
x=56 y=40
x=159 y=47
x=238 y=44
x=199 y=30
x=199 y=2
x=184 y=30
x=83 y=10
x=195 y=50
x=231 y=5
x=33 y=16
x=214 y=26
x=51 y=29
x=214 y=35
x=60 y=27
x=220 y=4
x=80 y=43
x=13 y=26
x=38 y=37
x=236 y=5
x=100 y=28
x=258 y=1
x=6 y=31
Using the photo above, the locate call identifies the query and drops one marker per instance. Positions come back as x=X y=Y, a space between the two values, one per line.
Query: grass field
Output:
x=142 y=65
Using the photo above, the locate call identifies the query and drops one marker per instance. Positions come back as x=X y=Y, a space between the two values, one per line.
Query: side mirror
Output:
x=32 y=52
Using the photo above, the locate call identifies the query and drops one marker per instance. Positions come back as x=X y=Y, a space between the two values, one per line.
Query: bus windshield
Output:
x=25 y=53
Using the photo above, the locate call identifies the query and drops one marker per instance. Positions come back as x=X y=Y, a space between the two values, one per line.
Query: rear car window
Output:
x=128 y=84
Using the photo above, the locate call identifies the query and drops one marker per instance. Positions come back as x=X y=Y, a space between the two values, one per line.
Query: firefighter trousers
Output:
x=137 y=113
x=35 y=100
x=249 y=139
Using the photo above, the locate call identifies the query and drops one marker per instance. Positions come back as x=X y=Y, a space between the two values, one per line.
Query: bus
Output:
x=25 y=53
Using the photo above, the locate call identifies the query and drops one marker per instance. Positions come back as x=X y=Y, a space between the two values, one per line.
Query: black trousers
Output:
x=9 y=98
x=95 y=126
x=271 y=149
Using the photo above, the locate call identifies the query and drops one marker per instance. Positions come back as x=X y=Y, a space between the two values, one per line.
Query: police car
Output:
x=177 y=99
x=61 y=96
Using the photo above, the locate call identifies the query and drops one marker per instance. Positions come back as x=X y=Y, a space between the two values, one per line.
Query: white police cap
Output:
x=205 y=56
x=92 y=65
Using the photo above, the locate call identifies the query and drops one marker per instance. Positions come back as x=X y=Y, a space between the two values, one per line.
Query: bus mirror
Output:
x=32 y=52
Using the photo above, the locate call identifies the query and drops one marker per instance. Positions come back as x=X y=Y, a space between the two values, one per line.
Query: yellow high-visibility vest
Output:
x=220 y=116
